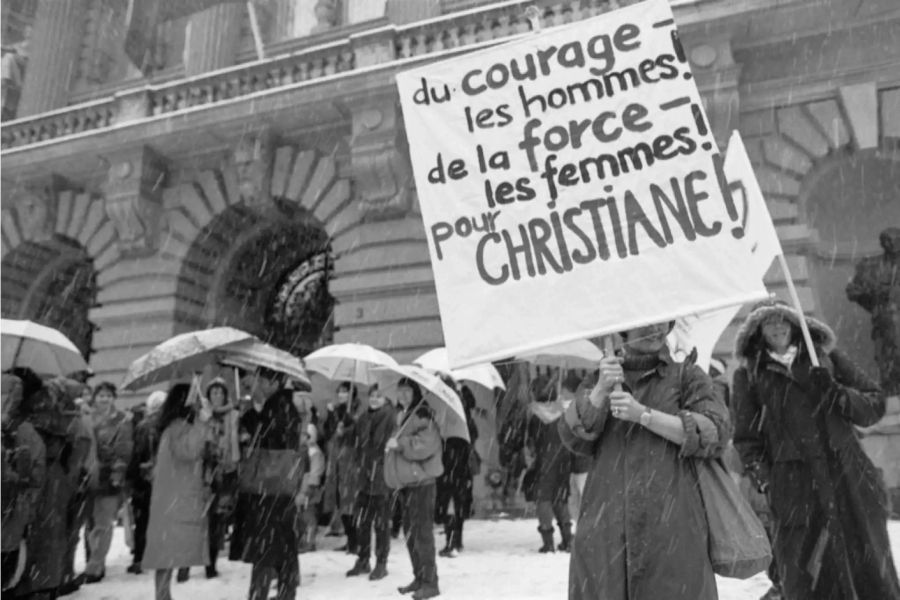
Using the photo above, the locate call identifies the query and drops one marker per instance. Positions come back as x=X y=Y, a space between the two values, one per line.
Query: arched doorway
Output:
x=53 y=283
x=849 y=199
x=265 y=272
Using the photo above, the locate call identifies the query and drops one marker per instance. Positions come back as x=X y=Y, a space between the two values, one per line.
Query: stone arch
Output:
x=210 y=219
x=806 y=157
x=54 y=245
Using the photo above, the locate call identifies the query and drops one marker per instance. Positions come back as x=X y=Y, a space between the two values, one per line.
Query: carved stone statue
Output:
x=36 y=211
x=876 y=287
x=326 y=15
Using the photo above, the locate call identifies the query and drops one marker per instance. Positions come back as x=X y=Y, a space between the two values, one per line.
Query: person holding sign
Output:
x=642 y=531
x=794 y=429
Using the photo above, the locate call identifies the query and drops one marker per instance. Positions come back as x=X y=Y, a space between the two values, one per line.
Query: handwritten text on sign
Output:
x=561 y=169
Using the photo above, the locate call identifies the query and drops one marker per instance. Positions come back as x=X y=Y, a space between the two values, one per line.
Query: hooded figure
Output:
x=140 y=473
x=794 y=429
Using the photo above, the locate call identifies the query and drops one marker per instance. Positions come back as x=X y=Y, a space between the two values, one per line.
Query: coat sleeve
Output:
x=749 y=439
x=704 y=415
x=582 y=424
x=857 y=397
x=422 y=441
x=188 y=441
x=123 y=445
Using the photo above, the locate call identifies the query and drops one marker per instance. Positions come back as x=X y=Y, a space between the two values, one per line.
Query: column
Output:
x=213 y=38
x=53 y=50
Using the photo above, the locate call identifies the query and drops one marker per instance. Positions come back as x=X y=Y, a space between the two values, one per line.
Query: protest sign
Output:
x=570 y=187
x=702 y=331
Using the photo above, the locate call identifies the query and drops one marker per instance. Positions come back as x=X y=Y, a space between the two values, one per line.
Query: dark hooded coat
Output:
x=799 y=442
x=552 y=460
x=642 y=532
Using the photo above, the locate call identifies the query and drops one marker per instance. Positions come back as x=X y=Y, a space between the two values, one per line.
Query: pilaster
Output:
x=212 y=38
x=52 y=53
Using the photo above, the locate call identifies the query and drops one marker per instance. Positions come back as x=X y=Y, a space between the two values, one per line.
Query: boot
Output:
x=450 y=548
x=211 y=572
x=361 y=567
x=379 y=572
x=428 y=591
x=457 y=535
x=412 y=587
x=547 y=539
x=183 y=574
x=351 y=546
x=565 y=531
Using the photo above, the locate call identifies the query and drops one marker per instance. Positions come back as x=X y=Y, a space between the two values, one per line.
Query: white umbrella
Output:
x=181 y=355
x=448 y=409
x=43 y=349
x=580 y=354
x=484 y=374
x=348 y=362
x=253 y=353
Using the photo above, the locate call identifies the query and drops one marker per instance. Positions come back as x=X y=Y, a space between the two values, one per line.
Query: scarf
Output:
x=786 y=359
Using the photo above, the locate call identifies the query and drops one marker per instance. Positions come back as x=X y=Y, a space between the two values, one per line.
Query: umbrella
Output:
x=253 y=353
x=43 y=349
x=181 y=354
x=448 y=409
x=579 y=354
x=484 y=374
x=348 y=362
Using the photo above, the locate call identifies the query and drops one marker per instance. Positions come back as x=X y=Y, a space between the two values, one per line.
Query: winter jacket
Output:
x=115 y=443
x=798 y=442
x=265 y=530
x=177 y=532
x=146 y=443
x=374 y=428
x=225 y=451
x=553 y=461
x=416 y=460
x=341 y=470
x=642 y=532
x=24 y=475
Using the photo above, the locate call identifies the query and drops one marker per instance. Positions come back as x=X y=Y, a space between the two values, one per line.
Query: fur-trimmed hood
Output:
x=747 y=342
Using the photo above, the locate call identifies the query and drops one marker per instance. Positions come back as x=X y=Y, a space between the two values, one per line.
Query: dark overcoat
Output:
x=800 y=444
x=642 y=532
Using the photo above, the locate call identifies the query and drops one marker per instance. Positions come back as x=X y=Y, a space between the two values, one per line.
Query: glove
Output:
x=821 y=380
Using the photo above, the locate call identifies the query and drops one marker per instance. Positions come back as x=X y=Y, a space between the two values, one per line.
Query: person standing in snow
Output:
x=341 y=470
x=551 y=468
x=140 y=474
x=272 y=494
x=177 y=531
x=114 y=434
x=416 y=460
x=795 y=431
x=642 y=532
x=580 y=464
x=455 y=485
x=373 y=500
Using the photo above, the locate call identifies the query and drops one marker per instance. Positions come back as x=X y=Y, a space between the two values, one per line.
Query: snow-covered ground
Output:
x=499 y=562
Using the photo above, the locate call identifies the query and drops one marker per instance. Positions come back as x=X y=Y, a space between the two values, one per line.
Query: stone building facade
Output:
x=224 y=188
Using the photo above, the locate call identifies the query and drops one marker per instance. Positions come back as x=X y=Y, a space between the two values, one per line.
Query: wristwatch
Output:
x=646 y=416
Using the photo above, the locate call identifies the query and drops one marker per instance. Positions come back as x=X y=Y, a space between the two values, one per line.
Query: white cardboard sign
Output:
x=570 y=187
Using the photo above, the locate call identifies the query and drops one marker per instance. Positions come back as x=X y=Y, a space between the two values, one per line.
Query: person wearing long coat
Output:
x=794 y=430
x=177 y=532
x=412 y=465
x=551 y=469
x=269 y=522
x=642 y=533
x=339 y=435
x=455 y=484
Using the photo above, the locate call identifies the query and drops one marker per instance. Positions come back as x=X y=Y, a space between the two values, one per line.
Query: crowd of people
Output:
x=612 y=458
x=192 y=472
